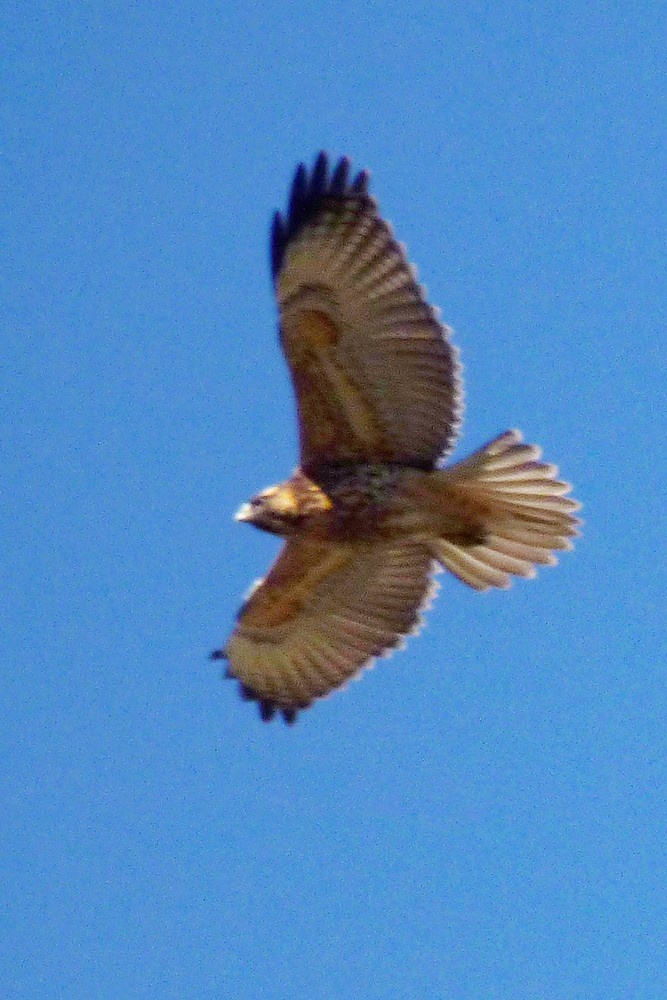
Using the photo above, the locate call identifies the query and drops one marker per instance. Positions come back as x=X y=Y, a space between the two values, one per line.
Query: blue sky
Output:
x=484 y=816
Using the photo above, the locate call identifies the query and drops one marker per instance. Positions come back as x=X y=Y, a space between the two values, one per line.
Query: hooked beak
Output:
x=244 y=513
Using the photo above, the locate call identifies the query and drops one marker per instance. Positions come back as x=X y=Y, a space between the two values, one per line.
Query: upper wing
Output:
x=375 y=376
x=324 y=611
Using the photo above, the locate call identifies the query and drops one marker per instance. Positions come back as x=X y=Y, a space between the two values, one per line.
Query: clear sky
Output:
x=483 y=816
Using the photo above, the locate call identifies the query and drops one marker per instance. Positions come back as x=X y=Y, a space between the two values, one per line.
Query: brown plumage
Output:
x=369 y=514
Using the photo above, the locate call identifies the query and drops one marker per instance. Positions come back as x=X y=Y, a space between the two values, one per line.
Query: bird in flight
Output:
x=370 y=513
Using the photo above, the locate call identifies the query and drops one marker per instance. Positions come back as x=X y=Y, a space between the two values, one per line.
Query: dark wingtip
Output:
x=362 y=182
x=319 y=182
x=340 y=177
x=266 y=710
x=306 y=196
x=298 y=196
x=278 y=241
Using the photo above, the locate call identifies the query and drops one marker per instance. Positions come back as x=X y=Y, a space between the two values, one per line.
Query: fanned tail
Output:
x=518 y=507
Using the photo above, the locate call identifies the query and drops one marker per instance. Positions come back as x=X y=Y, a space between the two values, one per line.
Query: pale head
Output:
x=275 y=509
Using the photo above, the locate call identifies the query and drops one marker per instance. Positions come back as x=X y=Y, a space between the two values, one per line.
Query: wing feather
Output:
x=374 y=374
x=321 y=615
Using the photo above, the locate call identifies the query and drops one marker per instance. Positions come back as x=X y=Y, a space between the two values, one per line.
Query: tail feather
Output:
x=521 y=507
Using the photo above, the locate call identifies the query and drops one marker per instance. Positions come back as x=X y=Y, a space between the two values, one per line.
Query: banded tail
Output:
x=519 y=506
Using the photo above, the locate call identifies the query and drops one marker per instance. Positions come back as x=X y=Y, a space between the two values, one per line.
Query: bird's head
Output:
x=275 y=509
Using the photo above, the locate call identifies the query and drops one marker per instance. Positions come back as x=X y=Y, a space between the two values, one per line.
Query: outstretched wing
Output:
x=374 y=374
x=324 y=611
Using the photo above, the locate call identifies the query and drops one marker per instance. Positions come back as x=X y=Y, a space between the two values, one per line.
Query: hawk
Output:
x=370 y=513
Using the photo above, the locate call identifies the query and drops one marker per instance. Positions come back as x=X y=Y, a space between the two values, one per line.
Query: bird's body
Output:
x=370 y=512
x=362 y=503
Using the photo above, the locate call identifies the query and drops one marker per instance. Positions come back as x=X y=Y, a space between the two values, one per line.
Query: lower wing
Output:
x=323 y=613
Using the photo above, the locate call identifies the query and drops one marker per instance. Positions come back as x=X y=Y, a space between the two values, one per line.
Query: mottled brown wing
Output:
x=324 y=611
x=374 y=374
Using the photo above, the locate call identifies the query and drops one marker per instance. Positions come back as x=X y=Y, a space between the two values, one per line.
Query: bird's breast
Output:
x=353 y=487
x=366 y=501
